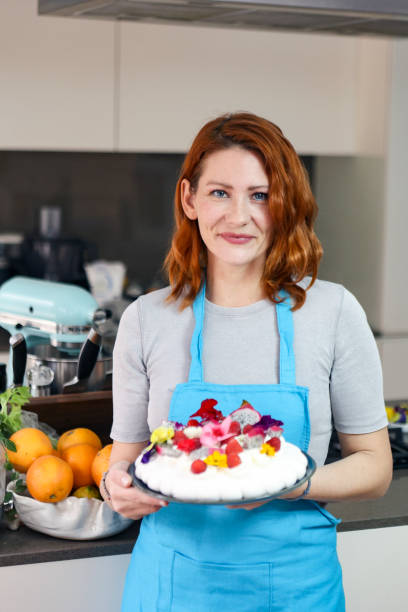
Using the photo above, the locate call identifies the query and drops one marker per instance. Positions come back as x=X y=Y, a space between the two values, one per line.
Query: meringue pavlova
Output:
x=214 y=458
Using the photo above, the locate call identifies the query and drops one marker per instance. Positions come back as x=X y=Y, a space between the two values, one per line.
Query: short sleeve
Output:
x=130 y=385
x=356 y=386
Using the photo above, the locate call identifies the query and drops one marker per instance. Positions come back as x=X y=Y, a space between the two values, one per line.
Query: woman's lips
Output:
x=236 y=238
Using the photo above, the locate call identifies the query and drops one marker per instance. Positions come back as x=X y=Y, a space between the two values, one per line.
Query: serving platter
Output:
x=310 y=470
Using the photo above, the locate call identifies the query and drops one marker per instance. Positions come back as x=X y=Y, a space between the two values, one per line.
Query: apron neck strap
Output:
x=196 y=346
x=284 y=316
x=287 y=372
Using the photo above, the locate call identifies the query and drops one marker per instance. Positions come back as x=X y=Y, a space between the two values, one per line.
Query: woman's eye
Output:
x=219 y=193
x=259 y=196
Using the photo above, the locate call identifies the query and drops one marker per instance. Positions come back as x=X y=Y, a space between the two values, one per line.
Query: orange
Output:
x=101 y=463
x=80 y=435
x=31 y=443
x=49 y=479
x=90 y=492
x=80 y=458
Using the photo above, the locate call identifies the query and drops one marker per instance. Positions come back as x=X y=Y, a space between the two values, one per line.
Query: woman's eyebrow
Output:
x=250 y=188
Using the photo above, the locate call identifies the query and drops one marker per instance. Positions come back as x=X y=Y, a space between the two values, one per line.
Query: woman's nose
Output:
x=238 y=211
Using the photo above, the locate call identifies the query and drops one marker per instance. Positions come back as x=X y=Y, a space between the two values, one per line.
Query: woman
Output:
x=244 y=311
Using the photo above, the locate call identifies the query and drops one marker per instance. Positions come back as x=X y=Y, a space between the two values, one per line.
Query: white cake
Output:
x=215 y=460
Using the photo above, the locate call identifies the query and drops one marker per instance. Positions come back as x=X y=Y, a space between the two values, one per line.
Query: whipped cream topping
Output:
x=258 y=475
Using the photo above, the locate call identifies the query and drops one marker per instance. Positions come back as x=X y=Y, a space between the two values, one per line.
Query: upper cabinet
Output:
x=82 y=84
x=56 y=81
x=174 y=78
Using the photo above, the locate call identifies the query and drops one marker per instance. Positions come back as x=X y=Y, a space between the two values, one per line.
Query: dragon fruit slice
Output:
x=245 y=415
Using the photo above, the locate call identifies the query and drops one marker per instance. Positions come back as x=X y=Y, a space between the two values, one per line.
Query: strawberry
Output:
x=193 y=423
x=179 y=436
x=198 y=466
x=235 y=427
x=233 y=460
x=188 y=444
x=247 y=428
x=233 y=446
x=275 y=443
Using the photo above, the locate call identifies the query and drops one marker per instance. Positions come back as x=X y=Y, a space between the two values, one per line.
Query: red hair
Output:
x=295 y=250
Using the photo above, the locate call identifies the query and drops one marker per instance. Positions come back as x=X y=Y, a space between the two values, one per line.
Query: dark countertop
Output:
x=27 y=546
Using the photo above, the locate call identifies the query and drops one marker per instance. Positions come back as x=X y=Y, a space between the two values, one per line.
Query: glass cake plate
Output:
x=310 y=470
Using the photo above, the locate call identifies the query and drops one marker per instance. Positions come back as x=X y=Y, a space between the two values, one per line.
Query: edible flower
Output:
x=148 y=452
x=207 y=412
x=267 y=449
x=217 y=459
x=267 y=421
x=214 y=433
x=161 y=434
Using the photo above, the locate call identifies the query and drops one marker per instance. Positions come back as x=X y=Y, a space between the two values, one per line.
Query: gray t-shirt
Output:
x=335 y=351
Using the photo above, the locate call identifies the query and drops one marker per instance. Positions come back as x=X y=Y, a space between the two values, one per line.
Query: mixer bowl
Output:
x=65 y=366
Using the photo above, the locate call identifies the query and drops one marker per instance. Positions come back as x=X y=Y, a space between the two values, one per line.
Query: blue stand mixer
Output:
x=57 y=325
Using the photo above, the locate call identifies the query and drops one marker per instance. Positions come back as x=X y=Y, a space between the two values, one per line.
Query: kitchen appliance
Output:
x=11 y=253
x=357 y=17
x=51 y=256
x=54 y=319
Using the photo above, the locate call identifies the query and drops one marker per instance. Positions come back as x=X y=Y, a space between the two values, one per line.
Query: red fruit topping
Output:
x=193 y=423
x=198 y=466
x=275 y=443
x=247 y=428
x=189 y=445
x=233 y=460
x=235 y=427
x=233 y=446
x=178 y=436
x=256 y=431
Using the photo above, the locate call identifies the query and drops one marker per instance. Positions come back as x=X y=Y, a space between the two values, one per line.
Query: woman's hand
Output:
x=127 y=499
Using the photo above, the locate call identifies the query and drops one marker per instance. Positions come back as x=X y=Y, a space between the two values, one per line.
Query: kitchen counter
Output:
x=26 y=546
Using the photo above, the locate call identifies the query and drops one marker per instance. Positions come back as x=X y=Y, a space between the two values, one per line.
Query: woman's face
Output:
x=231 y=207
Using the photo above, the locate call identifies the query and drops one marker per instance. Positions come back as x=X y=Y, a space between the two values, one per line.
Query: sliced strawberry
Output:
x=233 y=446
x=233 y=460
x=247 y=428
x=275 y=443
x=179 y=436
x=189 y=444
x=235 y=427
x=198 y=466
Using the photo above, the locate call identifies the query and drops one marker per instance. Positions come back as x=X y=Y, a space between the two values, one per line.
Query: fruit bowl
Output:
x=71 y=519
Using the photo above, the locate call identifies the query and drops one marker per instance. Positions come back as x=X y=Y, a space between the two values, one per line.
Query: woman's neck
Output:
x=232 y=287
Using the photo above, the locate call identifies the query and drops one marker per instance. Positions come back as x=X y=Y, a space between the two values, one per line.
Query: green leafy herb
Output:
x=11 y=402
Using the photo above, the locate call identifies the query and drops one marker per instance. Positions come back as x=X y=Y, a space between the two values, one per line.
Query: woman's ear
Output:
x=188 y=200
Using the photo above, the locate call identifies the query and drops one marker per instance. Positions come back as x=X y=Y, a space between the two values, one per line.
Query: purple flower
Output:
x=147 y=454
x=267 y=421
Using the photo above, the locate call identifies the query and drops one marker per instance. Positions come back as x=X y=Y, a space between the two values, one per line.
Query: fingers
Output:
x=128 y=500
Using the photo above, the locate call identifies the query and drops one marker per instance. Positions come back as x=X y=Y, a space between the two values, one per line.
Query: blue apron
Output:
x=280 y=557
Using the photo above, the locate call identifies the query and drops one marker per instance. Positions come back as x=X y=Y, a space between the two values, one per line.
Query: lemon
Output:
x=88 y=491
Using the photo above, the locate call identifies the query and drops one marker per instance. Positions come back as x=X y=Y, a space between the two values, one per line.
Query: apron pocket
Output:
x=211 y=587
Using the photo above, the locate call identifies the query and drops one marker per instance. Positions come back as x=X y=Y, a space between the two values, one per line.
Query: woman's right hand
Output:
x=127 y=499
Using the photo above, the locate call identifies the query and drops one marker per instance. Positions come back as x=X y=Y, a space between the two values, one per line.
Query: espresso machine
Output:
x=59 y=326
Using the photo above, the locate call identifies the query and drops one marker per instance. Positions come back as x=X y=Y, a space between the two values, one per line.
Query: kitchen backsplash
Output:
x=121 y=203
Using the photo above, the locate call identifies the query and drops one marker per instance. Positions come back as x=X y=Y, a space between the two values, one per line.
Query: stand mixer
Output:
x=55 y=320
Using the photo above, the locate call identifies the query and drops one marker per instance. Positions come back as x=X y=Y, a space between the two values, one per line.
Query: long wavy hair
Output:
x=295 y=250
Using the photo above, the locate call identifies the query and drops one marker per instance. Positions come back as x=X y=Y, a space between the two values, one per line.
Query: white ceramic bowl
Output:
x=71 y=519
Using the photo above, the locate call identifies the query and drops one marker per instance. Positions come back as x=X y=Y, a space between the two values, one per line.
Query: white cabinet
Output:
x=56 y=80
x=394 y=359
x=174 y=78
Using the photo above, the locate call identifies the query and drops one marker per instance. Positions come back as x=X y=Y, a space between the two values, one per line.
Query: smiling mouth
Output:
x=236 y=238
